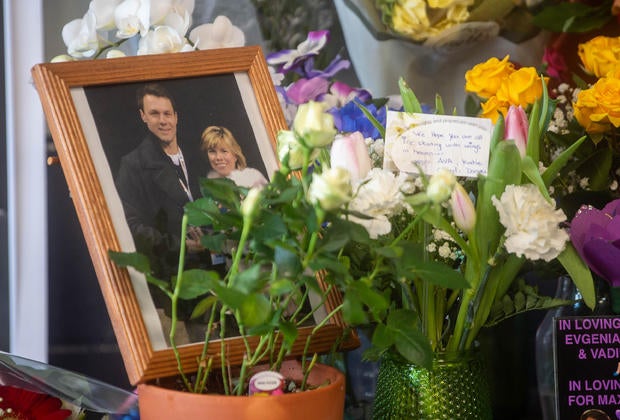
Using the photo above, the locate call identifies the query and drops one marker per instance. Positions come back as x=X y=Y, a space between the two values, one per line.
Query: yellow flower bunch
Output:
x=502 y=85
x=421 y=19
x=598 y=108
x=600 y=55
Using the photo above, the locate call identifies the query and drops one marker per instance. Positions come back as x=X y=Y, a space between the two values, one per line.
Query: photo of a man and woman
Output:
x=159 y=139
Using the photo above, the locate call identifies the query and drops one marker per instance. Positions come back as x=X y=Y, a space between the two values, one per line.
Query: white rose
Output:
x=291 y=151
x=250 y=203
x=531 y=222
x=330 y=189
x=440 y=186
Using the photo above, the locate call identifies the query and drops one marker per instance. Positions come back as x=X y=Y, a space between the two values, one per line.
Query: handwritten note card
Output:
x=434 y=142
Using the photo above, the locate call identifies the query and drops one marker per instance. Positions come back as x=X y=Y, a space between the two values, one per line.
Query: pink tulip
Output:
x=517 y=127
x=350 y=152
x=463 y=211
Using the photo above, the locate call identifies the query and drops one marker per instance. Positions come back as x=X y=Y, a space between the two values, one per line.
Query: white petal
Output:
x=104 y=12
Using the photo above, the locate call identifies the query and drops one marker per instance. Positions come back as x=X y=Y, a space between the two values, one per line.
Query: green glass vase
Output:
x=456 y=388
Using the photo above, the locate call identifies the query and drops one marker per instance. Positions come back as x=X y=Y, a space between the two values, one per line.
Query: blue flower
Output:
x=350 y=118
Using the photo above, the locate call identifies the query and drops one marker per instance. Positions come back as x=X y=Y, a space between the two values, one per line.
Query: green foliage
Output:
x=574 y=16
x=524 y=298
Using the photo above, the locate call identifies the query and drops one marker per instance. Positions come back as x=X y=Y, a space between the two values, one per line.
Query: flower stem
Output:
x=174 y=303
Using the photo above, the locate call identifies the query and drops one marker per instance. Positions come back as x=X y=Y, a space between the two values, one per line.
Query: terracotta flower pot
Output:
x=325 y=403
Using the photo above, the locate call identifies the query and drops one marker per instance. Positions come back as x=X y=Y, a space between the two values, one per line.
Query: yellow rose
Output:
x=598 y=109
x=522 y=87
x=492 y=108
x=409 y=18
x=485 y=78
x=600 y=55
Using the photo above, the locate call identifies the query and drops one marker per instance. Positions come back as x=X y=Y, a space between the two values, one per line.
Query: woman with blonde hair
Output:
x=226 y=158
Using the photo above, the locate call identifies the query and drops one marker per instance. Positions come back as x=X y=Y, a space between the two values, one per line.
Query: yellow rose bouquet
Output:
x=422 y=20
x=590 y=108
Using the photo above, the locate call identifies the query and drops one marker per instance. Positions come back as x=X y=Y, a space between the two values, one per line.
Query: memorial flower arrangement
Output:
x=369 y=233
x=115 y=28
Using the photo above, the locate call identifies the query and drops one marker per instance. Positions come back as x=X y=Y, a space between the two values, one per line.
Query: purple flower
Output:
x=307 y=69
x=350 y=118
x=287 y=60
x=340 y=94
x=305 y=90
x=596 y=236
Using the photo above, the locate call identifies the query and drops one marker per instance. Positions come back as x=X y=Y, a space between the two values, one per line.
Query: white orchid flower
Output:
x=219 y=34
x=162 y=39
x=132 y=17
x=161 y=9
x=115 y=53
x=80 y=36
x=180 y=19
x=62 y=58
x=104 y=13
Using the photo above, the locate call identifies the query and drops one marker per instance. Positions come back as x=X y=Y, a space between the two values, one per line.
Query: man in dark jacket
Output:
x=154 y=183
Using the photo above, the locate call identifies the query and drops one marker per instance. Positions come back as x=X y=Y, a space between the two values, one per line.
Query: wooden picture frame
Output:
x=90 y=115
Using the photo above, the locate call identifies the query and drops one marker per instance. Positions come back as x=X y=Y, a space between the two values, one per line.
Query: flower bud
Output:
x=331 y=189
x=350 y=152
x=463 y=210
x=516 y=128
x=249 y=205
x=314 y=124
x=290 y=151
x=440 y=186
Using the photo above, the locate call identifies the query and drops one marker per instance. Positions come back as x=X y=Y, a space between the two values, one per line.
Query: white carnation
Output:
x=531 y=222
x=380 y=197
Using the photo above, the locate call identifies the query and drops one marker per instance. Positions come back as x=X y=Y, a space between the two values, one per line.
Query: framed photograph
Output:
x=101 y=114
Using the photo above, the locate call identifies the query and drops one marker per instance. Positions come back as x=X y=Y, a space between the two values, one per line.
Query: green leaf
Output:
x=197 y=282
x=410 y=101
x=203 y=306
x=440 y=274
x=200 y=211
x=159 y=283
x=353 y=310
x=530 y=169
x=580 y=273
x=504 y=169
x=382 y=337
x=376 y=302
x=223 y=190
x=281 y=287
x=558 y=163
x=525 y=299
x=380 y=128
x=408 y=339
x=249 y=280
x=136 y=260
x=289 y=333
x=573 y=17
x=287 y=261
x=255 y=310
